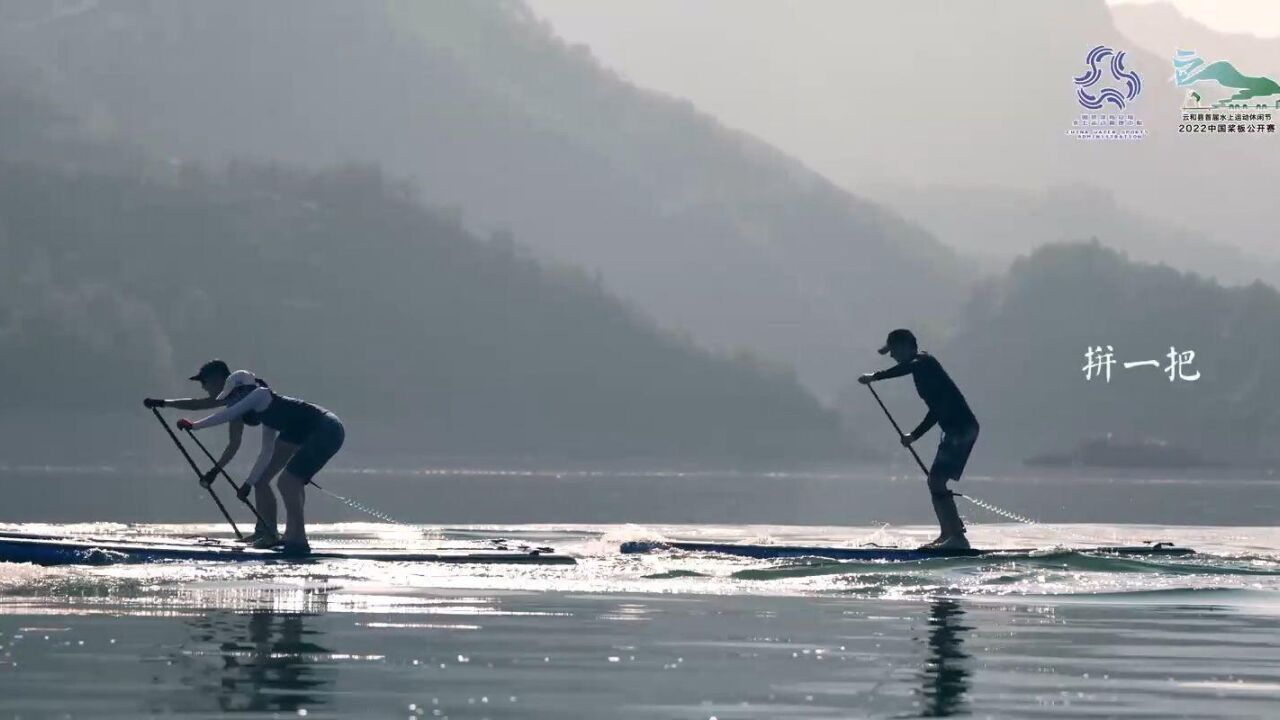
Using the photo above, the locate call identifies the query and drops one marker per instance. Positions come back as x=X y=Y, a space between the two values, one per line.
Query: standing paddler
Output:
x=947 y=409
x=298 y=437
x=212 y=377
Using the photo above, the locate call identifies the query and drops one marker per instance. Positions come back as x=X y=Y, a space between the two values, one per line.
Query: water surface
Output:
x=665 y=635
x=1058 y=633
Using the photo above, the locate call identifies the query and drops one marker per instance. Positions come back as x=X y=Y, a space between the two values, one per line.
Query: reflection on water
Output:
x=550 y=656
x=260 y=662
x=945 y=678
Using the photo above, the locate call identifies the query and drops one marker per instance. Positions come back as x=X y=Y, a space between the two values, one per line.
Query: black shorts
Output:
x=316 y=449
x=953 y=452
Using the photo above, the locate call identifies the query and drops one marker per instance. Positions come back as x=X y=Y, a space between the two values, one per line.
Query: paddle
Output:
x=348 y=501
x=976 y=501
x=223 y=472
x=898 y=429
x=195 y=469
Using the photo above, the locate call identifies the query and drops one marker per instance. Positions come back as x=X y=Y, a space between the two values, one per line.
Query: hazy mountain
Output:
x=1155 y=27
x=339 y=287
x=708 y=229
x=1020 y=357
x=999 y=224
x=937 y=93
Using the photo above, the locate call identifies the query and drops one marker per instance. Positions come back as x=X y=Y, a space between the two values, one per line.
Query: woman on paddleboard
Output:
x=212 y=377
x=298 y=437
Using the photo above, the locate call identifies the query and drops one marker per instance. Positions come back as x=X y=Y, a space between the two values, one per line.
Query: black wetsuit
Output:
x=318 y=432
x=947 y=408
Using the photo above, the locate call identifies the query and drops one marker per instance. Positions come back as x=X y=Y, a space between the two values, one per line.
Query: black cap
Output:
x=213 y=367
x=901 y=335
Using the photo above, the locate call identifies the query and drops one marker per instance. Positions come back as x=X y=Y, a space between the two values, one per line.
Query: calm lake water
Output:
x=662 y=635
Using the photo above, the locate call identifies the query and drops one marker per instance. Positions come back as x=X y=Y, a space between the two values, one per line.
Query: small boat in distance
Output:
x=1108 y=451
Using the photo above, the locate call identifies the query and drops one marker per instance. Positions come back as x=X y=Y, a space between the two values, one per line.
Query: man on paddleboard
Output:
x=947 y=409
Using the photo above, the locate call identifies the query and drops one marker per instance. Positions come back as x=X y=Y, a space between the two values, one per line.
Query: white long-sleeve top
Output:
x=256 y=401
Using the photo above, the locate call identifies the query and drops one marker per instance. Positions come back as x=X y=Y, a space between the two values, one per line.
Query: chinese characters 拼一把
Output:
x=1100 y=359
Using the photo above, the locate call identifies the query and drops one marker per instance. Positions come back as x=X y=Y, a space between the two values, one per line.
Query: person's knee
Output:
x=938 y=486
x=291 y=481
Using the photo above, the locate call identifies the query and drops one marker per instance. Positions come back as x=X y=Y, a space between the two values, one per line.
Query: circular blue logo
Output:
x=1126 y=85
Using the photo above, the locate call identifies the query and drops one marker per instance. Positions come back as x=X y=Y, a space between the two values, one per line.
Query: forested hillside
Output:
x=706 y=229
x=118 y=276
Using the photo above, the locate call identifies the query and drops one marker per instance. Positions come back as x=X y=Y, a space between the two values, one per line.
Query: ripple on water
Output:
x=1229 y=563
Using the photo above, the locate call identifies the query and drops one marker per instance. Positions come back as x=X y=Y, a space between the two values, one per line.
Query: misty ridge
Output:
x=942 y=100
x=445 y=222
x=345 y=288
x=708 y=230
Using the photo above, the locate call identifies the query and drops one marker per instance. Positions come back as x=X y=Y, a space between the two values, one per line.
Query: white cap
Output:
x=237 y=379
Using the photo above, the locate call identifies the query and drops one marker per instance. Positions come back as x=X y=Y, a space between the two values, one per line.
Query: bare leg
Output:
x=265 y=502
x=292 y=491
x=944 y=507
x=265 y=496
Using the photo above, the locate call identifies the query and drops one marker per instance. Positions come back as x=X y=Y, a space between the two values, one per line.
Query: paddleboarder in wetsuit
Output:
x=212 y=377
x=947 y=409
x=297 y=436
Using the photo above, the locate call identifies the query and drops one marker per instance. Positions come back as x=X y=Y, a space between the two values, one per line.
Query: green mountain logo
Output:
x=1189 y=69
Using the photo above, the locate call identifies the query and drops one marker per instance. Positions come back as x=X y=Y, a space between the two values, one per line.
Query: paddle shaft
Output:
x=359 y=506
x=893 y=422
x=926 y=470
x=223 y=471
x=348 y=501
x=195 y=469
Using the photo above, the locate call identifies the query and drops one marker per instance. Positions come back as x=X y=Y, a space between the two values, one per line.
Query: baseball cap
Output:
x=901 y=335
x=213 y=367
x=237 y=379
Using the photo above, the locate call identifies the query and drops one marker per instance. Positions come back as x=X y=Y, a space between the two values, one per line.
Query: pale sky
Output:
x=1258 y=17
